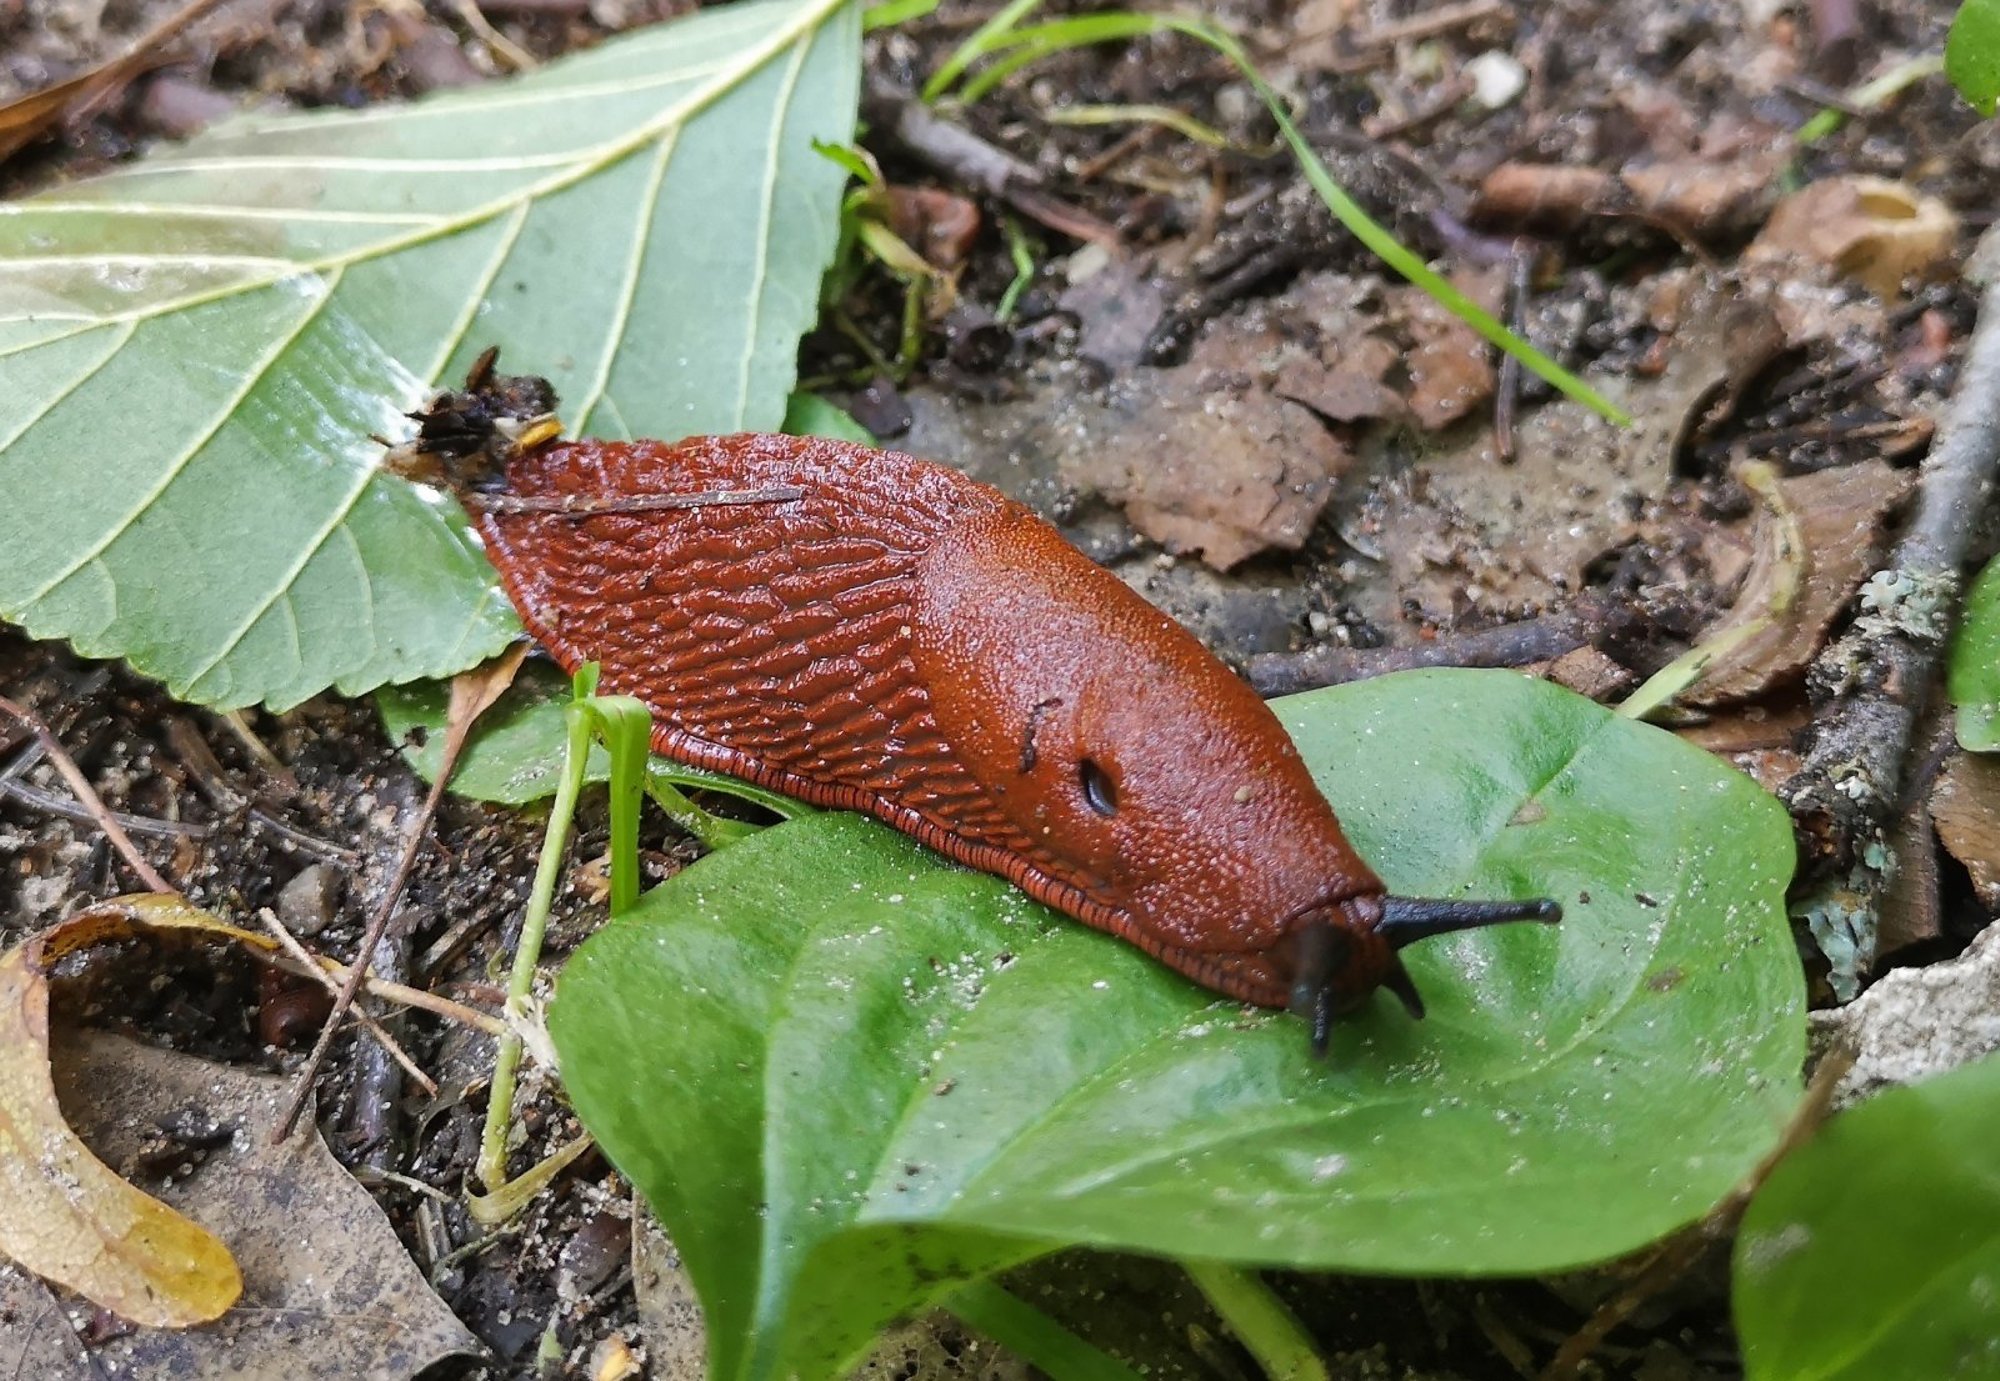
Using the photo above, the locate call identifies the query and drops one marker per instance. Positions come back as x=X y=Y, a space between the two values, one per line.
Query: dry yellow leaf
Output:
x=63 y=1213
x=1867 y=228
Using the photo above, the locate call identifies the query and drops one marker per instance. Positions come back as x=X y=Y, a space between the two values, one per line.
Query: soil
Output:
x=1240 y=412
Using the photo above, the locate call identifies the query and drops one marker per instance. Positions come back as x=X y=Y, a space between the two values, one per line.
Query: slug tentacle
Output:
x=1406 y=920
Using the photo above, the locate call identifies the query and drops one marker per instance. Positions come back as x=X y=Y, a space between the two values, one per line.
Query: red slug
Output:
x=887 y=635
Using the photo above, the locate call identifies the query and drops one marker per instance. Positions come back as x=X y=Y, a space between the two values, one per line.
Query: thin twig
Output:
x=471 y=693
x=368 y=1023
x=73 y=776
x=1507 y=390
x=954 y=150
x=1592 y=619
x=1433 y=22
x=403 y=993
x=34 y=796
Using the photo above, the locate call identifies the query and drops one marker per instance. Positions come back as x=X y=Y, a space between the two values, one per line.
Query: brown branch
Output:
x=1870 y=689
x=958 y=153
x=1591 y=619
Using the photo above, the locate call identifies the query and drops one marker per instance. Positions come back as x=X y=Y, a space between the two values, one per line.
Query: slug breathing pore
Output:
x=869 y=631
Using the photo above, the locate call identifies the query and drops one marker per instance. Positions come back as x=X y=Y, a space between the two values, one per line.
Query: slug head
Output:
x=1138 y=768
x=1150 y=778
x=1339 y=957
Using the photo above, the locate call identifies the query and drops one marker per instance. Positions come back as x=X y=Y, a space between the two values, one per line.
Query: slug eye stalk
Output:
x=1326 y=949
x=1409 y=919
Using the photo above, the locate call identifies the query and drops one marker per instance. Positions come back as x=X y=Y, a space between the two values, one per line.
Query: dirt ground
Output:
x=1236 y=409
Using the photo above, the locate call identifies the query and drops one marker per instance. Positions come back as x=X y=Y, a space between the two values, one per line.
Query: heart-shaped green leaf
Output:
x=1975 y=665
x=198 y=347
x=514 y=754
x=848 y=1075
x=1874 y=1250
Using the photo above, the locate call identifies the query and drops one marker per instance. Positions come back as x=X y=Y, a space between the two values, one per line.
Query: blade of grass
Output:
x=1023 y=256
x=626 y=727
x=982 y=40
x=1023 y=46
x=1179 y=121
x=1032 y=44
x=1871 y=94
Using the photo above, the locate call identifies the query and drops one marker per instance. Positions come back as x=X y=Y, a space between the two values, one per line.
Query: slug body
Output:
x=902 y=640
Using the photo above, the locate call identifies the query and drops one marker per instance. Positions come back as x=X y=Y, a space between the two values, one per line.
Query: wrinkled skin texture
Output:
x=905 y=641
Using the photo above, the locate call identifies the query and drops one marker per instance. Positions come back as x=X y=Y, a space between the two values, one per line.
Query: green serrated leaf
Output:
x=1975 y=665
x=1873 y=1250
x=848 y=1075
x=199 y=346
x=1972 y=54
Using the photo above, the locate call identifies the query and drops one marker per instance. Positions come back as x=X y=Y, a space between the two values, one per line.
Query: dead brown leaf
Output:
x=1911 y=911
x=1116 y=309
x=1205 y=458
x=1338 y=394
x=1751 y=727
x=63 y=1213
x=1867 y=228
x=1838 y=516
x=939 y=225
x=1965 y=802
x=329 y=1293
x=1588 y=672
x=1450 y=365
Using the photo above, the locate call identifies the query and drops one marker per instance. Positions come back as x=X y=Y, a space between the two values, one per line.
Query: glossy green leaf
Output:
x=515 y=753
x=198 y=347
x=1975 y=665
x=1874 y=1250
x=808 y=414
x=1972 y=54
x=848 y=1075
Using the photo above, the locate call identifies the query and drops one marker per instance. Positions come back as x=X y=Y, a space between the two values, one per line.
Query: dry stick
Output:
x=1871 y=688
x=403 y=993
x=331 y=984
x=78 y=783
x=1507 y=389
x=1589 y=620
x=1430 y=24
x=956 y=151
x=469 y=696
x=377 y=924
x=69 y=810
